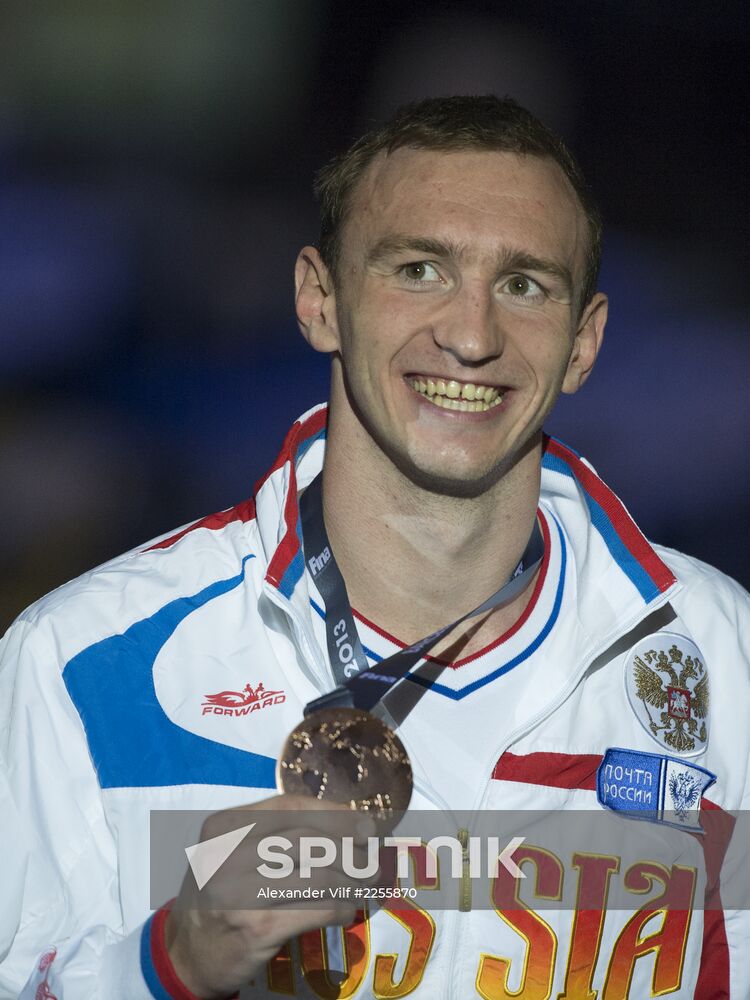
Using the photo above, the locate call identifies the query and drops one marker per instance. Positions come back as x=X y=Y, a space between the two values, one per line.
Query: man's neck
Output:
x=413 y=560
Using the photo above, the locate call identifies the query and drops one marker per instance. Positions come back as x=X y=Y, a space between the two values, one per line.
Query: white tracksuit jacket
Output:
x=107 y=712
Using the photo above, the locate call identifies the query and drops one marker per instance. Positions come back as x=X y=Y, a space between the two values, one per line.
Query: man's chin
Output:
x=466 y=484
x=461 y=480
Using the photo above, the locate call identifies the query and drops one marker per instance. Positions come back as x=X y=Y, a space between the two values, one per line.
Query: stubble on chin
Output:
x=425 y=477
x=462 y=487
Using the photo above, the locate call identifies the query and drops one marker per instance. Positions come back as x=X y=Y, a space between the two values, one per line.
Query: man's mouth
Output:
x=452 y=395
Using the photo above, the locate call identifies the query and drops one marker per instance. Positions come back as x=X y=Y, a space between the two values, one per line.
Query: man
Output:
x=455 y=290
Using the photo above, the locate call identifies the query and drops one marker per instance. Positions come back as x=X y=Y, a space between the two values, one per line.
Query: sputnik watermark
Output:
x=476 y=856
x=453 y=860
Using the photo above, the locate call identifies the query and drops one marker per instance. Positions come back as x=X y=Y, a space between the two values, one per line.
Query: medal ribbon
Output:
x=358 y=684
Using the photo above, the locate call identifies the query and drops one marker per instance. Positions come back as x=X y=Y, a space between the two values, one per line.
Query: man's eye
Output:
x=523 y=287
x=419 y=272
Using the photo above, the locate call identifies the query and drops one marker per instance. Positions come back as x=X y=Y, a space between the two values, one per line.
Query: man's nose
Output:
x=470 y=326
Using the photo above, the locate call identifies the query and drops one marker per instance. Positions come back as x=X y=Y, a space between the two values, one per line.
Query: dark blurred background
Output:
x=155 y=186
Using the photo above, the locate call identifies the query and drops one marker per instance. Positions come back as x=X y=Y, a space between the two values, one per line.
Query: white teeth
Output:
x=452 y=395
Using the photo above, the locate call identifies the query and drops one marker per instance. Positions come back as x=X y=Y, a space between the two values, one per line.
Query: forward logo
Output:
x=243 y=702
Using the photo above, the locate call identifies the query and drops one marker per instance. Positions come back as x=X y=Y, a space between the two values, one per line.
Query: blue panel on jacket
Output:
x=131 y=740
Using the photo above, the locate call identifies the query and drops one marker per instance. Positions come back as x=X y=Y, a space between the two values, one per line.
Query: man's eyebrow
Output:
x=519 y=261
x=507 y=260
x=395 y=244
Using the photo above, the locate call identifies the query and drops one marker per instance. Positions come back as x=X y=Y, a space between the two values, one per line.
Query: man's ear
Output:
x=315 y=301
x=587 y=343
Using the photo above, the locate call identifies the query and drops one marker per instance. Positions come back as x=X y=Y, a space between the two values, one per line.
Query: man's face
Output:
x=456 y=310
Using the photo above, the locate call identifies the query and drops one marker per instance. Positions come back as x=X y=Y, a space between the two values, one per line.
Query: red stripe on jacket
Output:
x=622 y=522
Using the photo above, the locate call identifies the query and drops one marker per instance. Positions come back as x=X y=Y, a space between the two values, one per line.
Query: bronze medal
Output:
x=349 y=756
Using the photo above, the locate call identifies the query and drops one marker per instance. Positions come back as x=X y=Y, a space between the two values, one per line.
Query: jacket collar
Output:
x=619 y=576
x=297 y=464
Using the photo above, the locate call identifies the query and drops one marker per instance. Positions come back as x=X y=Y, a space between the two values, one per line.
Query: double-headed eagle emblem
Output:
x=685 y=790
x=682 y=699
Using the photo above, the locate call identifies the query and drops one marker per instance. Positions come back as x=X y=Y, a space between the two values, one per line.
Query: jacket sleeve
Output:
x=734 y=602
x=718 y=612
x=61 y=922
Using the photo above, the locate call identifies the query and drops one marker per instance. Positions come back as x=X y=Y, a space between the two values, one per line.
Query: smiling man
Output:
x=456 y=307
x=454 y=288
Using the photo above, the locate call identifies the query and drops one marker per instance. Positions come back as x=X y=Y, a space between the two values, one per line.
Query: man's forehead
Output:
x=417 y=182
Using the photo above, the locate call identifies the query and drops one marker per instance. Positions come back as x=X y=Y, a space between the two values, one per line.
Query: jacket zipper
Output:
x=308 y=645
x=464 y=895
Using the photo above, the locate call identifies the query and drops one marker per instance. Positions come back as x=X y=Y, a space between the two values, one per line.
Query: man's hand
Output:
x=216 y=949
